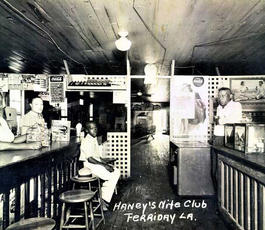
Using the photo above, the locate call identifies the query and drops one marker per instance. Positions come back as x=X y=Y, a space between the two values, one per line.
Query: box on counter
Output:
x=60 y=130
x=245 y=137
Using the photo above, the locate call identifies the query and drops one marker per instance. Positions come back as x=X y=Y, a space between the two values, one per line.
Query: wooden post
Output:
x=128 y=93
x=173 y=68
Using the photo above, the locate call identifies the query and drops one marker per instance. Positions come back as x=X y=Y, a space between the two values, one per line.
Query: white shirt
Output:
x=5 y=133
x=231 y=113
x=30 y=119
x=89 y=148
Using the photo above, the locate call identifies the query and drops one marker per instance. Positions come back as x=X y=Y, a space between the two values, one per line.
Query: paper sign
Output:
x=61 y=130
x=14 y=82
x=57 y=92
x=119 y=97
x=27 y=81
x=41 y=83
x=3 y=82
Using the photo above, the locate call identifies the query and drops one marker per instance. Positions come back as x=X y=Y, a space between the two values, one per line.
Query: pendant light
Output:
x=123 y=43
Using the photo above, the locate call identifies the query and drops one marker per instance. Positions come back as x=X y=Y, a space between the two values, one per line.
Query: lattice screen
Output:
x=118 y=146
x=214 y=83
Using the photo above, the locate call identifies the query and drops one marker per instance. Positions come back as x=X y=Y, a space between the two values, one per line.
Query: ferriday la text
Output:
x=163 y=205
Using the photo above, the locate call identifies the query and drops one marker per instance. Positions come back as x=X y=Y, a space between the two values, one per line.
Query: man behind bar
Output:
x=91 y=156
x=7 y=139
x=34 y=116
x=228 y=111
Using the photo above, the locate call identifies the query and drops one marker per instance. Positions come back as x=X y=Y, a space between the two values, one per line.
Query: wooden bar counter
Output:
x=241 y=187
x=31 y=180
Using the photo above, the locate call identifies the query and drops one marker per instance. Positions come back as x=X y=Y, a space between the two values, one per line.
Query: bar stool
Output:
x=36 y=223
x=97 y=203
x=72 y=197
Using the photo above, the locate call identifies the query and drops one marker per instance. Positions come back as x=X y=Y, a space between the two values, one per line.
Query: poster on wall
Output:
x=27 y=81
x=57 y=92
x=41 y=83
x=14 y=82
x=119 y=97
x=188 y=108
x=3 y=82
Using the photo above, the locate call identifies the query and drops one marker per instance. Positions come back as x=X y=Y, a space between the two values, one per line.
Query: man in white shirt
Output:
x=7 y=139
x=34 y=116
x=228 y=111
x=92 y=158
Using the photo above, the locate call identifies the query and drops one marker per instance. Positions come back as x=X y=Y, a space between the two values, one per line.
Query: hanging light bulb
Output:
x=123 y=43
x=139 y=93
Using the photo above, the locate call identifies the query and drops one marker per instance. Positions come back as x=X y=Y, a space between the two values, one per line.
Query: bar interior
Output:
x=132 y=115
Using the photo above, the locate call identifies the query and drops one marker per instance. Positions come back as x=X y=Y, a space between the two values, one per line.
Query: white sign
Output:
x=188 y=108
x=119 y=97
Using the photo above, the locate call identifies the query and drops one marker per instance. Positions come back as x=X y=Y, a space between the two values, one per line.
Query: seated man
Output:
x=93 y=161
x=7 y=139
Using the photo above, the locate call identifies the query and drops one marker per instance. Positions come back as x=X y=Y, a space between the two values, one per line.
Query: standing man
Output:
x=92 y=158
x=34 y=116
x=228 y=111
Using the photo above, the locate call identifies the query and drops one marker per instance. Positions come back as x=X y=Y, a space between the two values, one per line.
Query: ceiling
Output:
x=37 y=35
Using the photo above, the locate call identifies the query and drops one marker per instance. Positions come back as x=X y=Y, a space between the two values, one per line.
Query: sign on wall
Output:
x=188 y=108
x=3 y=82
x=56 y=86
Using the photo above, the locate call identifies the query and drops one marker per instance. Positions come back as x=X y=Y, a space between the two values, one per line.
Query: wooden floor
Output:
x=151 y=197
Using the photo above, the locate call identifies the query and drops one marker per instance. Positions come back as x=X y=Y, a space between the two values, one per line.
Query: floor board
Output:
x=149 y=185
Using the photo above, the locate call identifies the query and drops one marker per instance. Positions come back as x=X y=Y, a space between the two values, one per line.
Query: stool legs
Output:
x=62 y=217
x=97 y=202
x=100 y=201
x=86 y=217
x=91 y=215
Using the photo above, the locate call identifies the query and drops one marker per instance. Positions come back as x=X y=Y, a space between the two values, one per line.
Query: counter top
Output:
x=9 y=157
x=190 y=144
x=253 y=159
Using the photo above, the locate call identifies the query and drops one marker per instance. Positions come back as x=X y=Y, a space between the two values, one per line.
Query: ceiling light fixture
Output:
x=150 y=72
x=123 y=43
x=139 y=93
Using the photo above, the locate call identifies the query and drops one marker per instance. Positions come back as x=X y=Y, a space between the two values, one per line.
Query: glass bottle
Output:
x=45 y=141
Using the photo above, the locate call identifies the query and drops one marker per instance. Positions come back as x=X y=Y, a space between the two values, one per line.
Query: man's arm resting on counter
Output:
x=94 y=161
x=20 y=139
x=19 y=146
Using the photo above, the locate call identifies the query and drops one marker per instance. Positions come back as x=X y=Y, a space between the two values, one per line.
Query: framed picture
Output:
x=240 y=137
x=250 y=92
x=248 y=89
x=229 y=136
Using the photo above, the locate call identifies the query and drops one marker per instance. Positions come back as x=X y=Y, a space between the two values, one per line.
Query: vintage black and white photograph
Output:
x=229 y=136
x=132 y=114
x=247 y=89
x=240 y=137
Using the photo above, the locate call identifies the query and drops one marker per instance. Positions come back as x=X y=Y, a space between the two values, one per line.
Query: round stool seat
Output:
x=83 y=179
x=76 y=196
x=37 y=223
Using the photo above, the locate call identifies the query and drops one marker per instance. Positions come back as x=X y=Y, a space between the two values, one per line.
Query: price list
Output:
x=57 y=89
